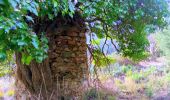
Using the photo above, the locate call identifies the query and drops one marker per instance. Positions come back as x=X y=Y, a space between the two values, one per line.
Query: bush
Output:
x=94 y=94
x=163 y=42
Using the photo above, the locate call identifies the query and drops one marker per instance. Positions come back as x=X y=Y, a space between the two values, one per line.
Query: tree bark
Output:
x=60 y=75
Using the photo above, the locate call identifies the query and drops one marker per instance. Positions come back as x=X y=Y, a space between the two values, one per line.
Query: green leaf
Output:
x=20 y=24
x=55 y=3
x=29 y=18
x=13 y=3
x=39 y=59
x=32 y=9
x=2 y=56
x=35 y=11
x=100 y=35
x=26 y=59
x=72 y=9
x=35 y=42
x=96 y=42
x=21 y=43
x=50 y=16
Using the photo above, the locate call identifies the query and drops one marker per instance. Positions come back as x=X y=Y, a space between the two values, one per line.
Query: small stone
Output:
x=71 y=42
x=82 y=59
x=67 y=37
x=65 y=46
x=80 y=48
x=66 y=54
x=75 y=38
x=73 y=55
x=49 y=51
x=84 y=45
x=54 y=55
x=64 y=42
x=72 y=34
x=59 y=60
x=82 y=65
x=74 y=49
x=66 y=49
x=78 y=44
x=58 y=42
x=59 y=37
x=74 y=29
x=66 y=60
x=77 y=59
x=57 y=51
x=78 y=53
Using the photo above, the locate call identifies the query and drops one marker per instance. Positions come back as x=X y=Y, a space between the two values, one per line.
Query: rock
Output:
x=71 y=42
x=66 y=54
x=78 y=44
x=72 y=34
x=66 y=60
x=66 y=49
x=74 y=49
x=73 y=55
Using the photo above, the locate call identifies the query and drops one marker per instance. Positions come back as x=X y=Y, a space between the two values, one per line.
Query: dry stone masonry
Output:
x=68 y=59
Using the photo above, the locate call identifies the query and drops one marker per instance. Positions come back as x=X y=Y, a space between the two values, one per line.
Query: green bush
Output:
x=94 y=94
x=163 y=42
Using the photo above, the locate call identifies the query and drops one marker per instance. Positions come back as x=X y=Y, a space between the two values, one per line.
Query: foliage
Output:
x=16 y=34
x=125 y=21
x=96 y=94
x=163 y=42
x=5 y=67
x=101 y=60
x=120 y=20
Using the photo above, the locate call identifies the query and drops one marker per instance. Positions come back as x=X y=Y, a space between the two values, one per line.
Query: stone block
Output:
x=66 y=54
x=72 y=34
x=75 y=48
x=72 y=42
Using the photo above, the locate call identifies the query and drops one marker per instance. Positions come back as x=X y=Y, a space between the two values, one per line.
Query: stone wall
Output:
x=68 y=58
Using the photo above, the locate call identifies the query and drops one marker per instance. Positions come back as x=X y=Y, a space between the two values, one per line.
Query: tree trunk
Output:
x=60 y=75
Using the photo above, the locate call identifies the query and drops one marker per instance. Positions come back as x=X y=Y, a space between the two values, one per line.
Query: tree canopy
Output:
x=126 y=21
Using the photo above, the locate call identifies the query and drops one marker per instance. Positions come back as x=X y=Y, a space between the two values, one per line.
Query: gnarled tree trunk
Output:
x=62 y=73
